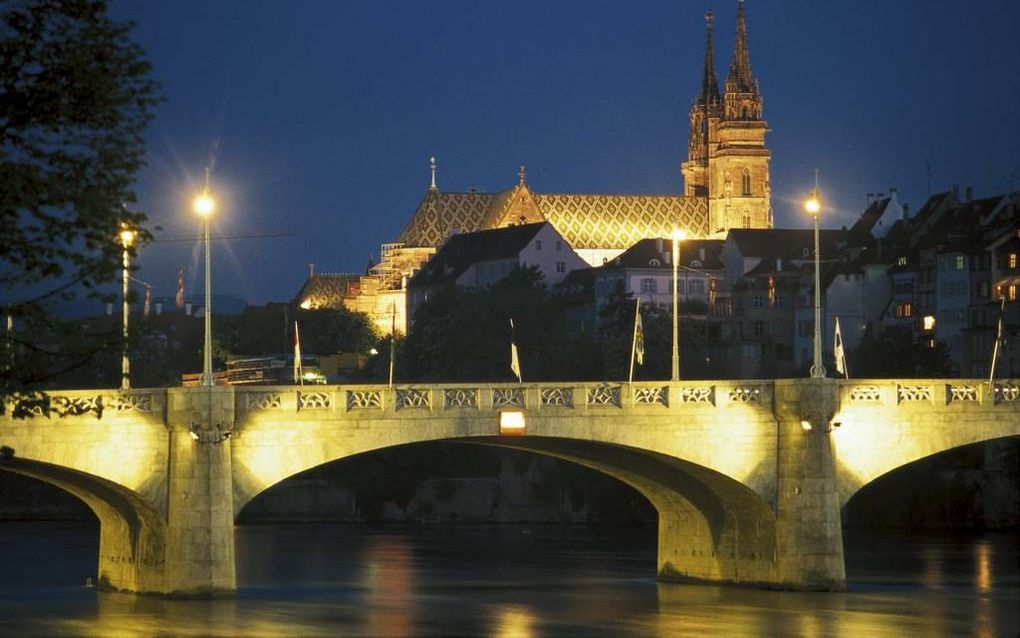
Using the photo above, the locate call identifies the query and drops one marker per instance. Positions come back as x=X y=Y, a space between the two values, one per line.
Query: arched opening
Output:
x=972 y=487
x=50 y=537
x=710 y=527
x=946 y=518
x=450 y=482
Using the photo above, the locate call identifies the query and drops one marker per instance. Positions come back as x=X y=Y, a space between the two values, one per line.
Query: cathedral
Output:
x=726 y=185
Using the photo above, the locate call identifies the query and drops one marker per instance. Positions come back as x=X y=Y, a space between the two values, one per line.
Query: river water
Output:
x=319 y=579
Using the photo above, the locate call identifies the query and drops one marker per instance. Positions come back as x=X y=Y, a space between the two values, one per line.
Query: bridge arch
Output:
x=711 y=527
x=132 y=533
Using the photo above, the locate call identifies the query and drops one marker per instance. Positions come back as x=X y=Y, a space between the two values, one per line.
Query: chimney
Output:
x=658 y=245
x=892 y=193
x=779 y=265
x=159 y=308
x=109 y=309
x=667 y=257
x=970 y=193
x=187 y=309
x=956 y=192
x=871 y=198
x=311 y=270
x=701 y=254
x=906 y=212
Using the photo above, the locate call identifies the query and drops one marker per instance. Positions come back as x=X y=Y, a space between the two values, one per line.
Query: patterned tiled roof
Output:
x=585 y=220
x=328 y=290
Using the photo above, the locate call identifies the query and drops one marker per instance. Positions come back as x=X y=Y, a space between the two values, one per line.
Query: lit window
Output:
x=959 y=262
x=902 y=261
x=1012 y=260
x=1012 y=292
x=928 y=322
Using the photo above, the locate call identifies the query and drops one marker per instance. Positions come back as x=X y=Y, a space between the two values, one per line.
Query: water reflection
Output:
x=329 y=579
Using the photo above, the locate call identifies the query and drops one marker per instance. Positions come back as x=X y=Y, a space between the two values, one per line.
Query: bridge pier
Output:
x=200 y=506
x=809 y=539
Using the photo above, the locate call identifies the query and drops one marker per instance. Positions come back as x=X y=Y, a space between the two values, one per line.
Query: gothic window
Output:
x=746 y=221
x=746 y=182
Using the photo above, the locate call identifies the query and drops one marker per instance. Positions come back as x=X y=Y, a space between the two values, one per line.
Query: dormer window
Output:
x=806 y=252
x=654 y=263
x=695 y=263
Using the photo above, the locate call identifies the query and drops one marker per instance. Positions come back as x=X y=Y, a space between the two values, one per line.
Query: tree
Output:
x=75 y=98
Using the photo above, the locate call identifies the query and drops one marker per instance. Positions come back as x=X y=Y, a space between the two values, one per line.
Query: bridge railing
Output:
x=928 y=392
x=86 y=404
x=366 y=401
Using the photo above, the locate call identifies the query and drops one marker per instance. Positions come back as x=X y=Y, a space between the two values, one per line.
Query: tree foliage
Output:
x=75 y=98
x=893 y=353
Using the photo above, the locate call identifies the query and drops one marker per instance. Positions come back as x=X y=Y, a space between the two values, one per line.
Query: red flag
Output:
x=180 y=288
x=148 y=301
x=772 y=290
x=711 y=295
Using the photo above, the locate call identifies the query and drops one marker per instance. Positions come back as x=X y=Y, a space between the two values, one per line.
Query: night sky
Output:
x=320 y=117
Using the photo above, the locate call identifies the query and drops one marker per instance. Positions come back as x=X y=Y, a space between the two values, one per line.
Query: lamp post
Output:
x=813 y=205
x=678 y=236
x=204 y=206
x=127 y=236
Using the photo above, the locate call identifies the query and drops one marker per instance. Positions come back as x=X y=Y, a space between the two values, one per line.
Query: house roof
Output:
x=785 y=243
x=461 y=251
x=328 y=290
x=650 y=253
x=584 y=220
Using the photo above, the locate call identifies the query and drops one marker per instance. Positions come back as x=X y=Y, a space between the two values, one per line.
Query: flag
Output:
x=998 y=341
x=711 y=294
x=515 y=362
x=393 y=341
x=148 y=301
x=639 y=338
x=297 y=355
x=772 y=290
x=637 y=348
x=840 y=354
x=180 y=287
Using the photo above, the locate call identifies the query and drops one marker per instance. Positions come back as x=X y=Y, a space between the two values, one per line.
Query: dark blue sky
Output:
x=321 y=116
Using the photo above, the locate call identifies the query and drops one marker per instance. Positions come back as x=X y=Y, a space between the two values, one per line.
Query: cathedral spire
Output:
x=709 y=83
x=740 y=79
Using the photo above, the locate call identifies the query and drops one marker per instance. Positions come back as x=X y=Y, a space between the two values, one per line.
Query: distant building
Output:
x=476 y=261
x=726 y=185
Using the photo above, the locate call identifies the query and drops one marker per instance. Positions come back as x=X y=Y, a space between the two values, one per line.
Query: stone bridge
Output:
x=748 y=477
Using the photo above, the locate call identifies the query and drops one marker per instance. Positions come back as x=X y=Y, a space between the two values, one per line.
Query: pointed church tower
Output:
x=705 y=111
x=739 y=190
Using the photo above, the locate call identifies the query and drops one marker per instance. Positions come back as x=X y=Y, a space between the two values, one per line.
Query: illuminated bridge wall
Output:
x=748 y=477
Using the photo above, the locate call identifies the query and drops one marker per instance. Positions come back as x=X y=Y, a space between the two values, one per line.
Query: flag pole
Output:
x=995 y=349
x=633 y=342
x=515 y=361
x=393 y=340
x=299 y=376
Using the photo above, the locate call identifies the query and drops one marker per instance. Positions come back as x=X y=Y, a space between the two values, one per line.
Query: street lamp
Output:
x=127 y=237
x=813 y=206
x=678 y=236
x=204 y=206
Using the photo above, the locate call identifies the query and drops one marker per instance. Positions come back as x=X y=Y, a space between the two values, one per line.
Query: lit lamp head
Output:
x=813 y=204
x=127 y=237
x=679 y=234
x=204 y=204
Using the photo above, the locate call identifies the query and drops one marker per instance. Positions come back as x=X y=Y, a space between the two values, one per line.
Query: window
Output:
x=806 y=252
x=928 y=322
x=1011 y=292
x=750 y=350
x=561 y=266
x=538 y=244
x=901 y=261
x=758 y=328
x=805 y=328
x=960 y=262
x=746 y=183
x=648 y=284
x=746 y=221
x=1011 y=260
x=696 y=287
x=654 y=263
x=758 y=300
x=903 y=310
